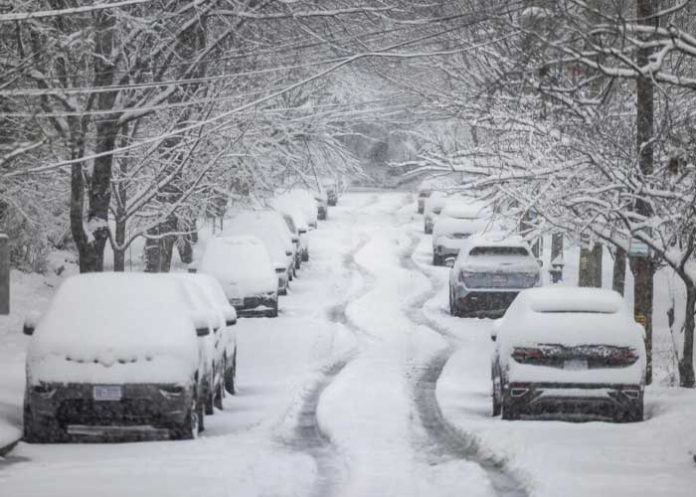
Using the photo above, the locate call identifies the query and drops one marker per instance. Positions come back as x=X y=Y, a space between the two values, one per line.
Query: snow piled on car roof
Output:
x=116 y=327
x=569 y=299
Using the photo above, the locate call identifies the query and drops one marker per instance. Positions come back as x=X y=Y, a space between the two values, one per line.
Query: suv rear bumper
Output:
x=573 y=398
x=144 y=409
x=484 y=303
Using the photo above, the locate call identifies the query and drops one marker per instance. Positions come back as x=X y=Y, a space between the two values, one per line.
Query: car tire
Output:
x=192 y=424
x=632 y=414
x=209 y=392
x=428 y=230
x=231 y=376
x=284 y=291
x=219 y=395
x=273 y=313
x=40 y=433
x=509 y=412
x=305 y=255
x=437 y=260
x=497 y=406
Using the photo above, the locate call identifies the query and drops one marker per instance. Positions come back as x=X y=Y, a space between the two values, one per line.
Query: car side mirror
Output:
x=201 y=323
x=30 y=323
x=230 y=316
x=494 y=334
x=288 y=252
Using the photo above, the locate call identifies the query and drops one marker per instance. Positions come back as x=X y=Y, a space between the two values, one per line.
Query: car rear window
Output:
x=509 y=251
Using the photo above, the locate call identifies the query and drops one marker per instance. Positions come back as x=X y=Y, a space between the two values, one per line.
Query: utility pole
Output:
x=643 y=267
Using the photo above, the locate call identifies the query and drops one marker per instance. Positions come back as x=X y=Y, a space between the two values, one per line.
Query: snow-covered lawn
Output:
x=337 y=397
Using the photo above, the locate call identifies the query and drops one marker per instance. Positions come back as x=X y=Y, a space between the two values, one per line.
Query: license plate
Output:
x=575 y=364
x=107 y=392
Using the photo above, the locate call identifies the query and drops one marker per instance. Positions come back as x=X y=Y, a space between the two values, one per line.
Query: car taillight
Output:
x=172 y=391
x=528 y=355
x=622 y=357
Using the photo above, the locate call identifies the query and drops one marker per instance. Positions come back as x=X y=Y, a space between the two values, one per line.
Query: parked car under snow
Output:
x=433 y=206
x=114 y=355
x=456 y=223
x=244 y=269
x=561 y=350
x=489 y=272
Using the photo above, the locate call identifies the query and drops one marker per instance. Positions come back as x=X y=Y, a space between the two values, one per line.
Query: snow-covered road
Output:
x=365 y=386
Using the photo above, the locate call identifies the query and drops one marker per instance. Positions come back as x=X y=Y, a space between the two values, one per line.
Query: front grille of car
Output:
x=106 y=413
x=596 y=356
x=500 y=280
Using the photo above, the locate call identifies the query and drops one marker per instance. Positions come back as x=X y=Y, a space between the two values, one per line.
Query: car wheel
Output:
x=305 y=255
x=437 y=260
x=219 y=395
x=428 y=230
x=46 y=432
x=230 y=375
x=273 y=313
x=191 y=426
x=509 y=411
x=632 y=414
x=209 y=398
x=497 y=407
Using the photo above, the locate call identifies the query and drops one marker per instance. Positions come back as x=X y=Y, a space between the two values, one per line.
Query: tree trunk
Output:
x=590 y=271
x=618 y=280
x=159 y=246
x=642 y=267
x=686 y=363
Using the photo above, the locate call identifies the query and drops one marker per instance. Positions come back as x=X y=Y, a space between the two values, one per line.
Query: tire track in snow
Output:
x=445 y=439
x=307 y=436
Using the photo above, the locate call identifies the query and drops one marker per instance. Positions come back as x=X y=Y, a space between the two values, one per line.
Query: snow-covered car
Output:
x=289 y=207
x=331 y=187
x=264 y=225
x=456 y=223
x=244 y=269
x=303 y=200
x=200 y=293
x=489 y=272
x=322 y=201
x=295 y=234
x=564 y=350
x=228 y=317
x=424 y=192
x=433 y=206
x=114 y=355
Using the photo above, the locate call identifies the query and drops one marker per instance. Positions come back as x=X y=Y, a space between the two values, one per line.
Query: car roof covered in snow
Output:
x=569 y=316
x=496 y=239
x=462 y=209
x=449 y=225
x=243 y=260
x=260 y=225
x=119 y=315
x=572 y=299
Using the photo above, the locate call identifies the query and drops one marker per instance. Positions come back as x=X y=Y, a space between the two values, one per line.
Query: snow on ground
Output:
x=337 y=396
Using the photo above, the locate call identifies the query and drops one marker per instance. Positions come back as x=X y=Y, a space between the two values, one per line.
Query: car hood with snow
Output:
x=114 y=328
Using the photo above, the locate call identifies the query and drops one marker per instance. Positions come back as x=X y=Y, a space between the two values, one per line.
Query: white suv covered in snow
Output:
x=115 y=354
x=562 y=350
x=433 y=206
x=244 y=269
x=457 y=222
x=269 y=227
x=490 y=270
